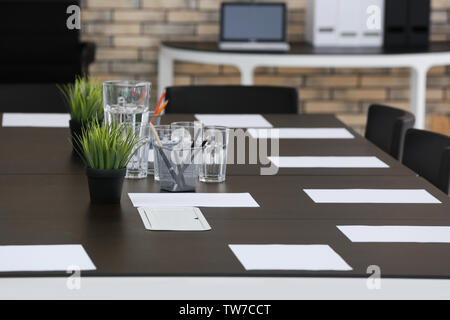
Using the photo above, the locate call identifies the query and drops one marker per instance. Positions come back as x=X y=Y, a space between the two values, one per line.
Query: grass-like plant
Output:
x=108 y=146
x=84 y=98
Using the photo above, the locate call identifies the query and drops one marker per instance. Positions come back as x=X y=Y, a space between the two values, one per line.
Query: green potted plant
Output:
x=85 y=102
x=106 y=150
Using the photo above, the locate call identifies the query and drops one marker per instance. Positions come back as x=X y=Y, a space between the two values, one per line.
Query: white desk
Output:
x=303 y=55
x=205 y=288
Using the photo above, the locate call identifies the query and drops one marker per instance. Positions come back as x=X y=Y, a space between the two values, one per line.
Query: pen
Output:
x=161 y=99
x=194 y=154
x=166 y=161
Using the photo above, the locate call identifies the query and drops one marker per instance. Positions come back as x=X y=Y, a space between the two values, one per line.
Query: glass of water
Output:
x=126 y=101
x=213 y=165
x=137 y=167
x=155 y=120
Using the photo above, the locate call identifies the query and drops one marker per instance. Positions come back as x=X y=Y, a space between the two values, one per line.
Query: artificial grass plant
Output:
x=108 y=146
x=84 y=98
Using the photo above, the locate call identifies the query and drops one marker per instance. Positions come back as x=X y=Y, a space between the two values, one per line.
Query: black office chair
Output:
x=386 y=128
x=38 y=51
x=231 y=99
x=428 y=154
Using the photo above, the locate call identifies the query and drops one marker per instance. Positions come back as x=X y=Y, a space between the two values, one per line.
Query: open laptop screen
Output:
x=253 y=22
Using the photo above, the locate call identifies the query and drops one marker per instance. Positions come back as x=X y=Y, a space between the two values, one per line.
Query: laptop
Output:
x=253 y=27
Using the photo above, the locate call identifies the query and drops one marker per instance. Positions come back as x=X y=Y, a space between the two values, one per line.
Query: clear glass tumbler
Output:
x=126 y=101
x=165 y=135
x=190 y=132
x=137 y=166
x=177 y=172
x=213 y=165
x=155 y=120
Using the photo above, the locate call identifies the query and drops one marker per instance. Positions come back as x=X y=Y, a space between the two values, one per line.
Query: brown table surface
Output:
x=48 y=151
x=44 y=207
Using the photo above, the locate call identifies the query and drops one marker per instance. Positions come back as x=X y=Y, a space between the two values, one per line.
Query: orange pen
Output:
x=160 y=101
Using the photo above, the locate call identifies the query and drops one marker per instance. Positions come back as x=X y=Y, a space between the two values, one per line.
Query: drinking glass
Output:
x=126 y=101
x=177 y=172
x=189 y=131
x=155 y=120
x=137 y=166
x=213 y=165
x=165 y=135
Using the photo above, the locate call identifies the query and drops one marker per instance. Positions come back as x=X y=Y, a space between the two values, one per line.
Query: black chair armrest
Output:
x=87 y=56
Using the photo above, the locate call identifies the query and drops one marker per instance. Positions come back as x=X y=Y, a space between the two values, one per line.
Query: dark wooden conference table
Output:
x=44 y=200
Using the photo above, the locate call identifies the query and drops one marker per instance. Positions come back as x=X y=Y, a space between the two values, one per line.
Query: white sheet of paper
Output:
x=396 y=234
x=234 y=120
x=43 y=120
x=192 y=200
x=301 y=133
x=151 y=155
x=328 y=162
x=370 y=196
x=289 y=257
x=44 y=258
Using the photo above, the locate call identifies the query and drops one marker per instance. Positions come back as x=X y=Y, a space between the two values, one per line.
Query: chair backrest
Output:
x=428 y=154
x=232 y=99
x=34 y=33
x=386 y=128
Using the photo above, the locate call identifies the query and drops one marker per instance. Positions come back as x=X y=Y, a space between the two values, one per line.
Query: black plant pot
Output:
x=105 y=186
x=76 y=129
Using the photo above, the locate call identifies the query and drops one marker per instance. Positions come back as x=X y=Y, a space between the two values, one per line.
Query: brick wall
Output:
x=128 y=33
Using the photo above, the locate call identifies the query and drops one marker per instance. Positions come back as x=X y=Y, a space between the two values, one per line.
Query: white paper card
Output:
x=370 y=196
x=289 y=257
x=234 y=120
x=192 y=200
x=301 y=133
x=396 y=234
x=44 y=258
x=43 y=120
x=328 y=162
x=174 y=219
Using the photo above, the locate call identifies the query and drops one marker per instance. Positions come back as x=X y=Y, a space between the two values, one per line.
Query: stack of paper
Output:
x=44 y=258
x=301 y=133
x=396 y=234
x=234 y=120
x=328 y=162
x=289 y=257
x=370 y=196
x=44 y=120
x=192 y=200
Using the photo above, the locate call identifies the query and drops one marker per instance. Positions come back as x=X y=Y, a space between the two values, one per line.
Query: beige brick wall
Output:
x=129 y=32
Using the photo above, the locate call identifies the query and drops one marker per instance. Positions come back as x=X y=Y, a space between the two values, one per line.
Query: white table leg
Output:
x=165 y=72
x=418 y=94
x=246 y=74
